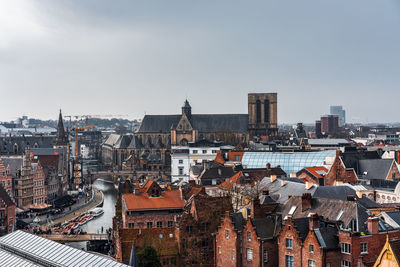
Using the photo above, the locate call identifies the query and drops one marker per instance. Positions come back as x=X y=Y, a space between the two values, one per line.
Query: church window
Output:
x=258 y=111
x=266 y=111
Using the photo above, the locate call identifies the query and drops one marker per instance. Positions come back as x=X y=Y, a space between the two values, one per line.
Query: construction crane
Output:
x=76 y=168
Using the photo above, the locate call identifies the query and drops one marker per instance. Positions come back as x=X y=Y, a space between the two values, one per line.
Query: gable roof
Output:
x=170 y=199
x=200 y=122
x=317 y=171
x=375 y=168
x=330 y=209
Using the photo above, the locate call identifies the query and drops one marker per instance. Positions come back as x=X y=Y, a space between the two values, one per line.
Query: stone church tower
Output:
x=62 y=138
x=263 y=116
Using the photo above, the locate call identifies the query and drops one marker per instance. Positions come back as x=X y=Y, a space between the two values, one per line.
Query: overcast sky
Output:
x=136 y=57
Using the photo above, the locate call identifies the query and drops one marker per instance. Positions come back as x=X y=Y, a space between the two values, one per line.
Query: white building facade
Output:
x=183 y=157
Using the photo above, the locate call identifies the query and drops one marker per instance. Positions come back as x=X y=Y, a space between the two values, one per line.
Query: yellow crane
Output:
x=76 y=169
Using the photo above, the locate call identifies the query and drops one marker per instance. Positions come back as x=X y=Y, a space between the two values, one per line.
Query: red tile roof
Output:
x=228 y=183
x=317 y=170
x=168 y=200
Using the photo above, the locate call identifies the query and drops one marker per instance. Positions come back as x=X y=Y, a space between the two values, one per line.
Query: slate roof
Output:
x=266 y=228
x=218 y=172
x=238 y=221
x=14 y=163
x=351 y=157
x=375 y=168
x=302 y=226
x=135 y=143
x=330 y=209
x=281 y=193
x=201 y=122
x=123 y=142
x=328 y=142
x=395 y=216
x=7 y=143
x=327 y=236
x=5 y=196
x=112 y=139
x=334 y=192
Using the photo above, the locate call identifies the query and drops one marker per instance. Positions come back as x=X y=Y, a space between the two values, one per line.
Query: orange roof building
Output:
x=150 y=207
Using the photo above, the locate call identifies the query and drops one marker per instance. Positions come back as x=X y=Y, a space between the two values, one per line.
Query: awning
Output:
x=38 y=207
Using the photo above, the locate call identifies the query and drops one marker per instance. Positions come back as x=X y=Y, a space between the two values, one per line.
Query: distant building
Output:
x=329 y=124
x=183 y=157
x=341 y=113
x=157 y=133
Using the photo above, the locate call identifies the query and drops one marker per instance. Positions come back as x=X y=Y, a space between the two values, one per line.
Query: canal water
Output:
x=110 y=193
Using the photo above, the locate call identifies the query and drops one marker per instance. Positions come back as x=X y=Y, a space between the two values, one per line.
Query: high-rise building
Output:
x=341 y=113
x=329 y=124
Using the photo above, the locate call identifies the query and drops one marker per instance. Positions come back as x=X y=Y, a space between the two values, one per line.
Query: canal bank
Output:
x=96 y=201
x=104 y=221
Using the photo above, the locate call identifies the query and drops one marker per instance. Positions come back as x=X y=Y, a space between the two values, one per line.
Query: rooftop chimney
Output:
x=373 y=226
x=137 y=188
x=268 y=166
x=306 y=201
x=313 y=220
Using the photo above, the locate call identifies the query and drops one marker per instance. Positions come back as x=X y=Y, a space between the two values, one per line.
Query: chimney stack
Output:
x=268 y=166
x=137 y=188
x=313 y=220
x=306 y=201
x=373 y=225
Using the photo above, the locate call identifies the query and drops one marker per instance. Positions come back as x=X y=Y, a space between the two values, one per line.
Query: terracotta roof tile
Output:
x=168 y=200
x=228 y=183
x=316 y=171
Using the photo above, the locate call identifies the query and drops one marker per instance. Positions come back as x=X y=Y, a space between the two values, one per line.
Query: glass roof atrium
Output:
x=289 y=162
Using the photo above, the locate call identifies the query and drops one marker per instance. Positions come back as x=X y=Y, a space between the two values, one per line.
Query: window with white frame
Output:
x=249 y=253
x=180 y=161
x=180 y=170
x=311 y=263
x=289 y=243
x=226 y=234
x=219 y=250
x=364 y=248
x=311 y=248
x=345 y=263
x=194 y=151
x=249 y=236
x=204 y=151
x=265 y=255
x=345 y=248
x=289 y=261
x=233 y=254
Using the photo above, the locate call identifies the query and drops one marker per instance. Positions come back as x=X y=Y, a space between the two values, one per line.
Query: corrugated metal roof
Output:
x=44 y=252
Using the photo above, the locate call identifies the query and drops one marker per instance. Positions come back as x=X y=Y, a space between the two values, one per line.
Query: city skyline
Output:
x=131 y=58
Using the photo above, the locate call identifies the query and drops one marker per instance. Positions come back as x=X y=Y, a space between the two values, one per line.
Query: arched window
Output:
x=266 y=111
x=258 y=111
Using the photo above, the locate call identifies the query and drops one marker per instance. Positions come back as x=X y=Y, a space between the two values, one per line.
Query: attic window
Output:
x=339 y=215
x=292 y=210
